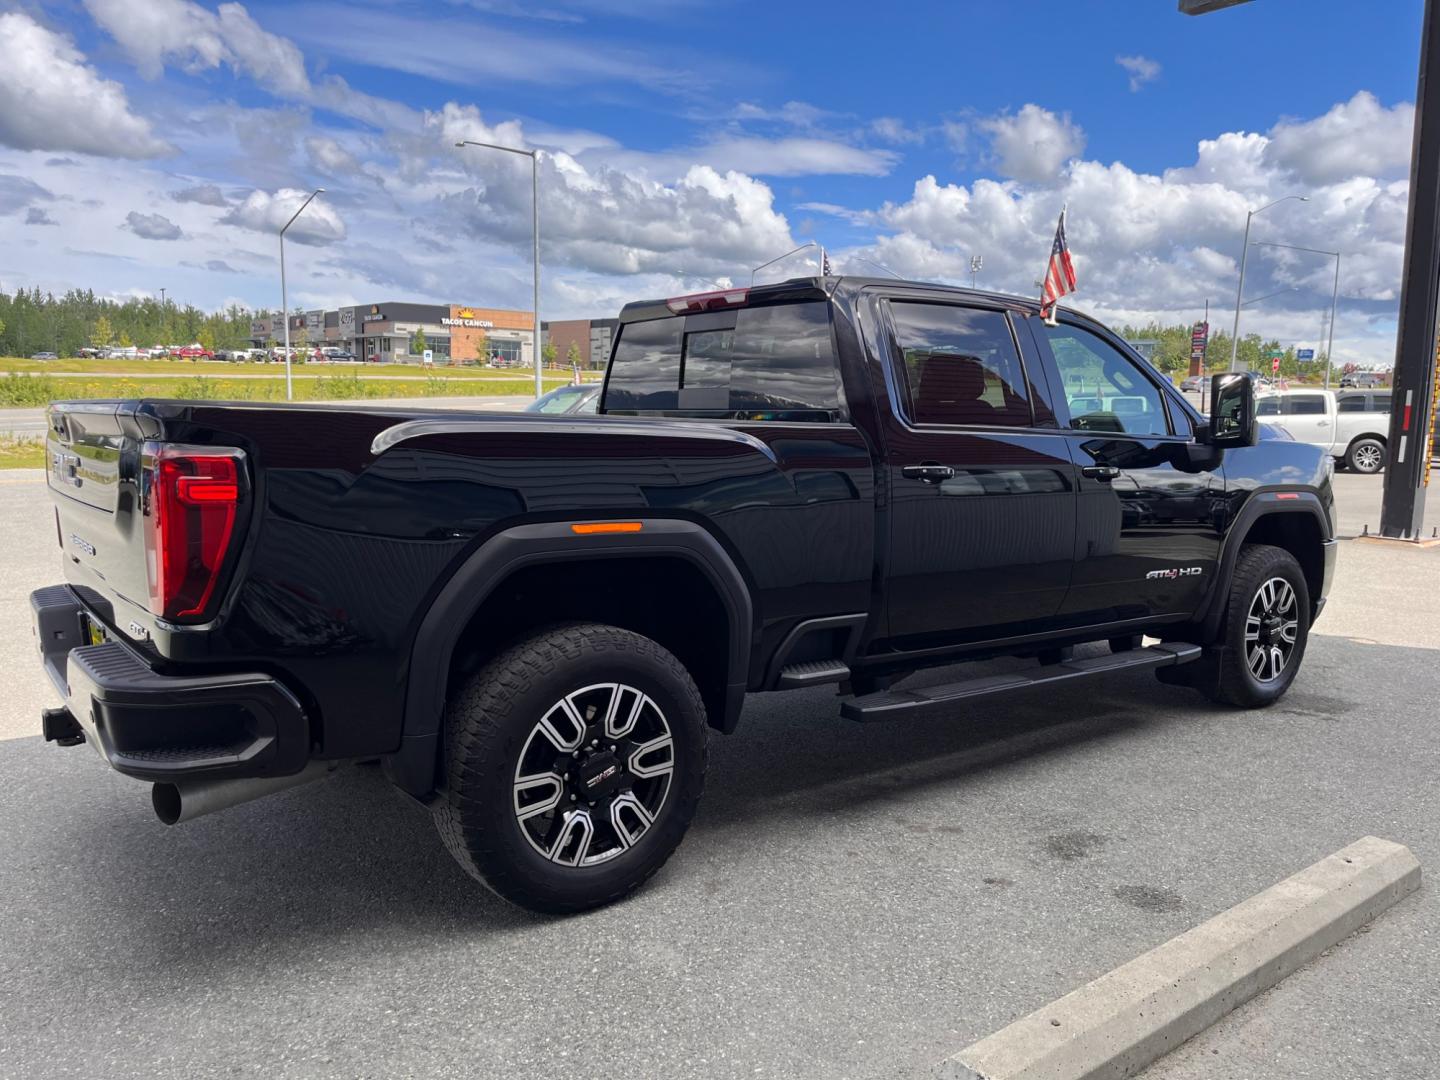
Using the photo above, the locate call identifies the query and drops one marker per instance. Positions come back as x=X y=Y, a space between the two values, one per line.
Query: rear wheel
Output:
x=574 y=764
x=1366 y=456
x=1265 y=630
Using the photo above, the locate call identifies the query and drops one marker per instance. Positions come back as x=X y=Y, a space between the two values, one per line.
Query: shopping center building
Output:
x=455 y=333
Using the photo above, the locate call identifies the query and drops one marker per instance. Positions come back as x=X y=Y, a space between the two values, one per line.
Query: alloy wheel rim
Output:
x=1271 y=628
x=593 y=775
x=1368 y=458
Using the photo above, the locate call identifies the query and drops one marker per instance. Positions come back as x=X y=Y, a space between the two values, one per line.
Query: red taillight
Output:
x=708 y=301
x=193 y=501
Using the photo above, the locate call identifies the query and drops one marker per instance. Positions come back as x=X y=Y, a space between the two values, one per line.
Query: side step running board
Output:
x=893 y=704
x=812 y=673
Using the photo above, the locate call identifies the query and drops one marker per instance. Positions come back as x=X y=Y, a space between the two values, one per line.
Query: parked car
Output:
x=1193 y=384
x=535 y=621
x=1351 y=428
x=44 y=356
x=194 y=352
x=1362 y=380
x=582 y=398
x=334 y=355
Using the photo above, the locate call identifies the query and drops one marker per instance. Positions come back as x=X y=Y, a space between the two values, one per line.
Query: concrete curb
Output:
x=1126 y=1019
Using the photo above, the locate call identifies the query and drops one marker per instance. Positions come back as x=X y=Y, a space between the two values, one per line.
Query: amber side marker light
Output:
x=595 y=527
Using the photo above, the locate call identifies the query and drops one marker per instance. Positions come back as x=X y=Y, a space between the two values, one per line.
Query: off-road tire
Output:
x=1224 y=674
x=487 y=724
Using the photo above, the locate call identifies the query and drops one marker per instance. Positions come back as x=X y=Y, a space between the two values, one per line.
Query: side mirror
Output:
x=1232 y=411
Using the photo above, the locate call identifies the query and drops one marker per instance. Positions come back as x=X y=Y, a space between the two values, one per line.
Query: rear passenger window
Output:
x=760 y=363
x=1356 y=403
x=961 y=366
x=1305 y=405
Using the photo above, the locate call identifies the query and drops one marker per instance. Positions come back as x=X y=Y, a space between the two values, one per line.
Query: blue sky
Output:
x=706 y=137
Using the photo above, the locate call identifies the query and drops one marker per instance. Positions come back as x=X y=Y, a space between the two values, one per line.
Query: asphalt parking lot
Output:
x=852 y=901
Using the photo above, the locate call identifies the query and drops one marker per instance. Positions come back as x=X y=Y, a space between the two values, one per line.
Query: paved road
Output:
x=852 y=902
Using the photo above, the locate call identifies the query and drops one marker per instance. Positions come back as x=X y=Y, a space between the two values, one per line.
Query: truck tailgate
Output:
x=92 y=468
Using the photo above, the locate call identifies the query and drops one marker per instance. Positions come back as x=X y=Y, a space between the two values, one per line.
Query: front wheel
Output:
x=1365 y=456
x=574 y=763
x=1266 y=628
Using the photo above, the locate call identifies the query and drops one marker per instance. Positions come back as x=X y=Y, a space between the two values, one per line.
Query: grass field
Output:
x=140 y=369
x=21 y=453
x=18 y=389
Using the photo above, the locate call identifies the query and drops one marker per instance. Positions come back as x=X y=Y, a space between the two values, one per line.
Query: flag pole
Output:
x=1048 y=317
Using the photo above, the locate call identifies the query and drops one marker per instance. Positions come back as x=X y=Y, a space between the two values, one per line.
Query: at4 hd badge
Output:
x=1174 y=572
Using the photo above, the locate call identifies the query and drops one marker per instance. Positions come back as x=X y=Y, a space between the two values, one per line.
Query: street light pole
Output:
x=284 y=295
x=534 y=156
x=1334 y=299
x=1240 y=289
x=1334 y=295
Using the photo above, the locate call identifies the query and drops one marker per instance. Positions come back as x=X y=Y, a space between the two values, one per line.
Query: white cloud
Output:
x=39 y=216
x=152 y=226
x=329 y=157
x=204 y=194
x=51 y=99
x=1034 y=144
x=604 y=219
x=197 y=39
x=1359 y=137
x=159 y=32
x=1141 y=68
x=893 y=130
x=264 y=212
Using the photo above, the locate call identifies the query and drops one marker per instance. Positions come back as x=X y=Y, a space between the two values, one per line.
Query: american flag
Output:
x=824 y=263
x=1059 y=275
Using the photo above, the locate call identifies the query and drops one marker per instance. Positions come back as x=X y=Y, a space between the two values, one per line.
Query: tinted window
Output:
x=1305 y=405
x=1268 y=406
x=1380 y=403
x=961 y=366
x=1104 y=387
x=760 y=363
x=1355 y=403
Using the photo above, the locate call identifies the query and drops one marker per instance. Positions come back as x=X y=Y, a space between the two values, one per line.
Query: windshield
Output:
x=558 y=401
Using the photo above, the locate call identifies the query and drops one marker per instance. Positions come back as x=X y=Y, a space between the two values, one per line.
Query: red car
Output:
x=195 y=352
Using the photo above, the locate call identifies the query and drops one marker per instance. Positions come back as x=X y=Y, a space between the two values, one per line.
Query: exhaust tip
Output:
x=165 y=798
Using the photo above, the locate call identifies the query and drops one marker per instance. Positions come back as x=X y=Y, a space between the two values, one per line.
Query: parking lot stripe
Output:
x=1126 y=1019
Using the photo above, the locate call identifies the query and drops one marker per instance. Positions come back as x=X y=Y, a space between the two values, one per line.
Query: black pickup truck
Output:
x=531 y=621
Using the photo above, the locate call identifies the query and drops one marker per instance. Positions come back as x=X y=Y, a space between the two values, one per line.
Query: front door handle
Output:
x=1104 y=473
x=930 y=472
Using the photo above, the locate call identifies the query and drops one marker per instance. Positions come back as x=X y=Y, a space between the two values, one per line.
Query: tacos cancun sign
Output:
x=466 y=317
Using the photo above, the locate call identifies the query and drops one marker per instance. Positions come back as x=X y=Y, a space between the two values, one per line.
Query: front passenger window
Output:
x=1104 y=388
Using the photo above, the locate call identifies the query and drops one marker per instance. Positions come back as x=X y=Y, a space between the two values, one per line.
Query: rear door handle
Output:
x=1105 y=473
x=930 y=472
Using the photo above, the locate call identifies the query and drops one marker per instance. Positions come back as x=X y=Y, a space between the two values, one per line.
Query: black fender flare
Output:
x=1260 y=504
x=414 y=765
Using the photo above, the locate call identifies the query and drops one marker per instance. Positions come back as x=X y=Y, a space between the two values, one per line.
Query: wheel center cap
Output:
x=598 y=776
x=1270 y=628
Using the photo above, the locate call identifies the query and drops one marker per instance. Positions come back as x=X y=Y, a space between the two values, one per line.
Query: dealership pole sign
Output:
x=1199 y=338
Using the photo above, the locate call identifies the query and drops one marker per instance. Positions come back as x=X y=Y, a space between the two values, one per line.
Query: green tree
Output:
x=103 y=334
x=572 y=355
x=549 y=353
x=418 y=344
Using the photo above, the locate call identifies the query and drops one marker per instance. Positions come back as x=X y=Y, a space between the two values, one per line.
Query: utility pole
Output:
x=1402 y=513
